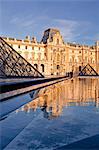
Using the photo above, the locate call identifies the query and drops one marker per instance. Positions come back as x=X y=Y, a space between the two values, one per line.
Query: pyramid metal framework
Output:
x=12 y=64
x=88 y=71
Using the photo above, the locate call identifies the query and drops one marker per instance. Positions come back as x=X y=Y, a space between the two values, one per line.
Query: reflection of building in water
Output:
x=52 y=99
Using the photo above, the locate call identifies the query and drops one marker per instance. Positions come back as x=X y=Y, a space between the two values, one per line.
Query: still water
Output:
x=61 y=114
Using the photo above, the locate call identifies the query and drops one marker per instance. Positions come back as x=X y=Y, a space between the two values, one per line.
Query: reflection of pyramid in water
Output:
x=13 y=64
x=88 y=71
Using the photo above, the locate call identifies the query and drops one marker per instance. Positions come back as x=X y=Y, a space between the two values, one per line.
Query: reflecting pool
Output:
x=62 y=113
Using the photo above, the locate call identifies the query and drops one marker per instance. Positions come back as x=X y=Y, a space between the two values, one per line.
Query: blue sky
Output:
x=77 y=20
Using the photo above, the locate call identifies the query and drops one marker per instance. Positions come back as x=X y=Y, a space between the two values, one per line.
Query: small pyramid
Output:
x=88 y=71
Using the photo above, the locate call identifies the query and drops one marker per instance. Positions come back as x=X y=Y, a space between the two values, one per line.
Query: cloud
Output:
x=14 y=20
x=22 y=21
x=68 y=28
x=71 y=30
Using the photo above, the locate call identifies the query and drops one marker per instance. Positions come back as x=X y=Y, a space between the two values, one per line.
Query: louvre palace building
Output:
x=52 y=56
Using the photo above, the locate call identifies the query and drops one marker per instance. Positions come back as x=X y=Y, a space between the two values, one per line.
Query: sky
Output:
x=77 y=20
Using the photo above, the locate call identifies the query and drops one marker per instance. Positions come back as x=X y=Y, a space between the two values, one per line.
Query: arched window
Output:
x=42 y=67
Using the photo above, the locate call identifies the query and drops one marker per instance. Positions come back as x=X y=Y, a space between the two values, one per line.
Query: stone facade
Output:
x=52 y=56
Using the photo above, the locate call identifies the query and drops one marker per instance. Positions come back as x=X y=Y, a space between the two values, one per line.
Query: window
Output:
x=58 y=67
x=75 y=60
x=18 y=46
x=79 y=68
x=36 y=56
x=42 y=67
